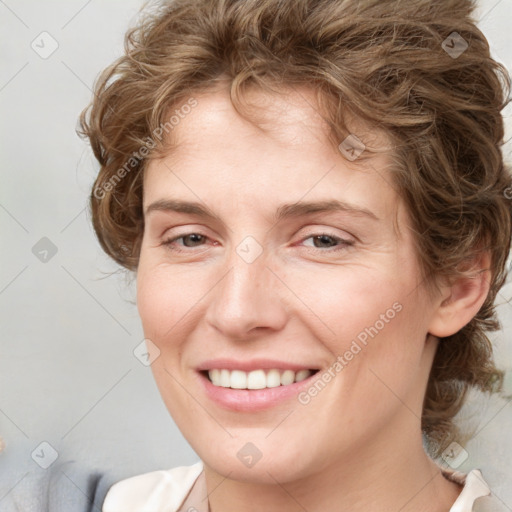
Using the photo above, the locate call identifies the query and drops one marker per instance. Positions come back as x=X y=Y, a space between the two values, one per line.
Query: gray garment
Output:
x=67 y=487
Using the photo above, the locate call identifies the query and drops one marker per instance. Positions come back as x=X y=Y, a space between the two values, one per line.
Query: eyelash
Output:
x=342 y=243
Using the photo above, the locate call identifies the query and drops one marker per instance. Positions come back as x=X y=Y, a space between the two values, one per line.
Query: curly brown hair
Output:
x=420 y=70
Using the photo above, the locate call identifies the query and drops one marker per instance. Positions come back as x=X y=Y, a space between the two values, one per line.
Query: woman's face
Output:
x=267 y=256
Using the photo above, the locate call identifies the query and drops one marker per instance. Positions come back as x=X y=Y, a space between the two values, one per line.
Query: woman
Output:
x=313 y=199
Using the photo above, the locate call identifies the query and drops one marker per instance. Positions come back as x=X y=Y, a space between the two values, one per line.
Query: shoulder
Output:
x=159 y=490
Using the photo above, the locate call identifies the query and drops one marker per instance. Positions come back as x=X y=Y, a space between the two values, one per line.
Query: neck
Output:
x=392 y=475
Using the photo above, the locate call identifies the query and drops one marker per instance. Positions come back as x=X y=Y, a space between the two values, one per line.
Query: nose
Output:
x=247 y=300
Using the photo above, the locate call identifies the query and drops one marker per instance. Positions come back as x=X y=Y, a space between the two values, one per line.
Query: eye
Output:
x=319 y=241
x=327 y=241
x=187 y=240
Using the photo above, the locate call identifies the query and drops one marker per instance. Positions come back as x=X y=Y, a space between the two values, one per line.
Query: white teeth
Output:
x=273 y=379
x=238 y=379
x=257 y=379
x=287 y=377
x=225 y=379
x=301 y=375
x=215 y=376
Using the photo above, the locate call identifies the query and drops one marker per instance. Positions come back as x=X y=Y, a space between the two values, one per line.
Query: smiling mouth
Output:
x=256 y=379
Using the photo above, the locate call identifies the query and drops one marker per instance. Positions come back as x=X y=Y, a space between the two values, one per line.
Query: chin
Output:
x=261 y=473
x=245 y=462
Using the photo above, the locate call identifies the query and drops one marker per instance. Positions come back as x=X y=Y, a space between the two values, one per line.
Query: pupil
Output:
x=194 y=239
x=326 y=240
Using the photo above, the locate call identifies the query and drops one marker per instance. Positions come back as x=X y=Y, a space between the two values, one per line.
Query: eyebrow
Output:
x=285 y=211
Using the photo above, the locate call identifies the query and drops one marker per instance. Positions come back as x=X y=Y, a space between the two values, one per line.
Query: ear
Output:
x=461 y=300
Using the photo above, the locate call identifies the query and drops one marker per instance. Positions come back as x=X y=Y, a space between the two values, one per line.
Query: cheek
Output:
x=156 y=312
x=345 y=301
x=369 y=318
x=167 y=298
x=167 y=303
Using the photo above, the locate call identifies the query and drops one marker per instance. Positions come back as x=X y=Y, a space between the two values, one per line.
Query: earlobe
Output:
x=460 y=301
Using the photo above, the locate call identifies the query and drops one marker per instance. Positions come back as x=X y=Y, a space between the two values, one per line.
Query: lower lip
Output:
x=253 y=399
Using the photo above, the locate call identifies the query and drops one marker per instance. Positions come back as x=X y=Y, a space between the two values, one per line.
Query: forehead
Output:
x=289 y=116
x=281 y=149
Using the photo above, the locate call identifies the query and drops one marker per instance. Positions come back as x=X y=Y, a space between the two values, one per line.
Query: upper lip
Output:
x=253 y=364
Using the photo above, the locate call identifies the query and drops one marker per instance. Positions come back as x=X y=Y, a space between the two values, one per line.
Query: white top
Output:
x=170 y=491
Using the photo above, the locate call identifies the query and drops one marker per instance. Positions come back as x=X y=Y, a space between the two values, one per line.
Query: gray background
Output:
x=68 y=375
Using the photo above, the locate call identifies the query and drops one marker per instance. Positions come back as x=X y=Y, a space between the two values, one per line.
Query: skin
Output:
x=357 y=444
